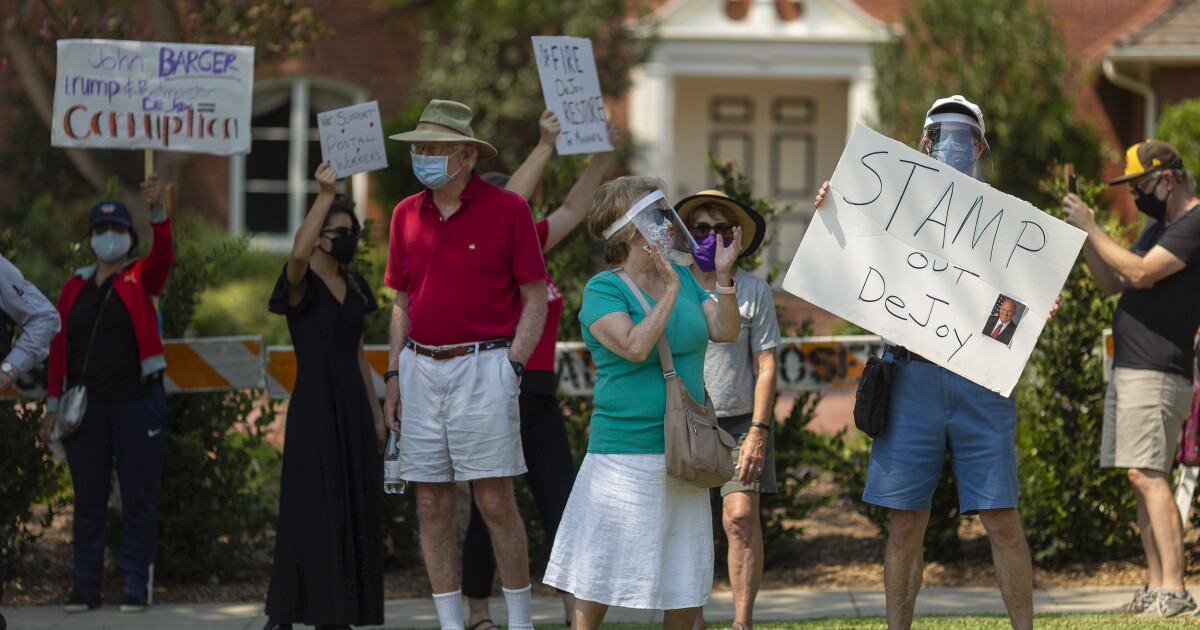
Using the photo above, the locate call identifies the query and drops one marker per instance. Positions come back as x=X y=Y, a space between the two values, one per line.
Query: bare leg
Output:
x=588 y=615
x=1014 y=567
x=1153 y=564
x=680 y=618
x=499 y=509
x=744 y=531
x=478 y=610
x=435 y=511
x=904 y=565
x=568 y=601
x=1153 y=491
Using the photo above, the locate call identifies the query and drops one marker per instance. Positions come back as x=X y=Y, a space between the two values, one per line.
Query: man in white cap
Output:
x=935 y=411
x=467 y=267
x=1149 y=393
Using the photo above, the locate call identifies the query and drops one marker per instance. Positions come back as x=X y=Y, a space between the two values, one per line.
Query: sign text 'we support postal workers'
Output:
x=153 y=95
x=933 y=260
x=571 y=87
x=352 y=139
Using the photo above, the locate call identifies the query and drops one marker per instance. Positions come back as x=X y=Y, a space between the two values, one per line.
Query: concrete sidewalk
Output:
x=419 y=613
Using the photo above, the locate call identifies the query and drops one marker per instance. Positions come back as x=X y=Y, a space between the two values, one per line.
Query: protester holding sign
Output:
x=470 y=306
x=110 y=343
x=740 y=378
x=934 y=410
x=1149 y=393
x=543 y=434
x=631 y=535
x=330 y=528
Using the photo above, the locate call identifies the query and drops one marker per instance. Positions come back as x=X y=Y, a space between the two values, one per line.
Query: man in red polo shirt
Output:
x=470 y=305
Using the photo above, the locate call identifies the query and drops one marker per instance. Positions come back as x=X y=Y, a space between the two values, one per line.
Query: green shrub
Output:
x=1072 y=509
x=1180 y=125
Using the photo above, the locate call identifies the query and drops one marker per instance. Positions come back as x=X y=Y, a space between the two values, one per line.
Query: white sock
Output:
x=449 y=610
x=520 y=617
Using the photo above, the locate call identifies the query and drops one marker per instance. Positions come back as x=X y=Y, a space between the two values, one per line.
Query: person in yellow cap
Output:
x=1149 y=393
x=740 y=378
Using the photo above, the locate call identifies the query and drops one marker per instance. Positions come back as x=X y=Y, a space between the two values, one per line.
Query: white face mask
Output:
x=111 y=245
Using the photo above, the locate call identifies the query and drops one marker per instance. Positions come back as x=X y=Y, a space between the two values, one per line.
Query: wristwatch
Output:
x=10 y=369
x=517 y=367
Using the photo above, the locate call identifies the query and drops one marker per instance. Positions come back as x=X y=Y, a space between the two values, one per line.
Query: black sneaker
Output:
x=77 y=604
x=132 y=604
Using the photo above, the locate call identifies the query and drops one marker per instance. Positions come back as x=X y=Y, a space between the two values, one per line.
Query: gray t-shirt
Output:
x=728 y=367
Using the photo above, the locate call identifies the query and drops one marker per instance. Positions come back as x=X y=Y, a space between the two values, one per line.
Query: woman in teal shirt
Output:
x=632 y=536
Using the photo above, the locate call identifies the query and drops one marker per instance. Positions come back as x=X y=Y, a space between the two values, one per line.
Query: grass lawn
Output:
x=948 y=622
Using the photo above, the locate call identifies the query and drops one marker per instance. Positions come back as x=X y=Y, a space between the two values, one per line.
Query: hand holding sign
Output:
x=571 y=87
x=921 y=254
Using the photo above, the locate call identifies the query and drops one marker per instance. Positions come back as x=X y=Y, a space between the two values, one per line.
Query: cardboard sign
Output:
x=933 y=260
x=571 y=87
x=352 y=139
x=153 y=95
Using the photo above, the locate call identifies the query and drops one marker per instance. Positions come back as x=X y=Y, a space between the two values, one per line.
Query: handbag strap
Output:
x=664 y=349
x=95 y=327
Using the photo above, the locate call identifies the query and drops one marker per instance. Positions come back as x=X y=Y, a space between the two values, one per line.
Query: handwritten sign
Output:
x=931 y=259
x=352 y=139
x=571 y=87
x=153 y=95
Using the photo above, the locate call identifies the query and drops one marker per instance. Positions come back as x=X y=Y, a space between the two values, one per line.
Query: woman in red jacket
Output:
x=110 y=343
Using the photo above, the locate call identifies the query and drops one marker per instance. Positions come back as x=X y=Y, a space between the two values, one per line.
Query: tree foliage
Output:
x=1005 y=56
x=1180 y=125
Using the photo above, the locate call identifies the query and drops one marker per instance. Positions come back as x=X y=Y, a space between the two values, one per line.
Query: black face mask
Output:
x=1152 y=206
x=343 y=248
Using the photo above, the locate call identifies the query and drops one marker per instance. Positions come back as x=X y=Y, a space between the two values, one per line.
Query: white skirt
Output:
x=633 y=536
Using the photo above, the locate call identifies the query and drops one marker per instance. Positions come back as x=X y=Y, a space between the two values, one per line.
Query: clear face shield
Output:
x=657 y=222
x=954 y=144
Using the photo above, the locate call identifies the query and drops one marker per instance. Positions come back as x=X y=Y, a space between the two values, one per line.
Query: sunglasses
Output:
x=1136 y=189
x=338 y=232
x=702 y=229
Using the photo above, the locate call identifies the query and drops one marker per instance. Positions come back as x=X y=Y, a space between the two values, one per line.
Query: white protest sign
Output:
x=571 y=87
x=352 y=139
x=925 y=256
x=153 y=95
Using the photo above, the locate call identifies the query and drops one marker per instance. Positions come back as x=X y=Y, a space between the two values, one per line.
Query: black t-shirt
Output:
x=114 y=371
x=1154 y=327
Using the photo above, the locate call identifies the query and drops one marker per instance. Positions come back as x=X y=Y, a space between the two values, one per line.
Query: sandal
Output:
x=479 y=625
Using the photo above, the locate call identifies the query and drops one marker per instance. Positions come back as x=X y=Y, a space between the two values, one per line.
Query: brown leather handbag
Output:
x=698 y=450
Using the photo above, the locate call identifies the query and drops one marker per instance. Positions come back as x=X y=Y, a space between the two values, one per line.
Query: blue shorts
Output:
x=934 y=410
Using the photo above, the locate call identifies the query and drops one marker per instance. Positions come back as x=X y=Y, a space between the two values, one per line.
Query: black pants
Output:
x=550 y=477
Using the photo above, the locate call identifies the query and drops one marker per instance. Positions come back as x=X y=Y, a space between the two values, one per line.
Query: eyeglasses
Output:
x=435 y=149
x=702 y=229
x=337 y=232
x=1137 y=189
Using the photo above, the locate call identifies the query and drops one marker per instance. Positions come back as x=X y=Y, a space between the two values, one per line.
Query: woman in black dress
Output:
x=328 y=569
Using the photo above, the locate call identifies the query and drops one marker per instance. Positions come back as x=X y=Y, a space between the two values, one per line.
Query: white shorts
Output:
x=459 y=418
x=633 y=536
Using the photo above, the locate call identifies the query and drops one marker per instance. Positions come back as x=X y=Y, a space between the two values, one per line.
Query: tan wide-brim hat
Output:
x=752 y=224
x=446 y=121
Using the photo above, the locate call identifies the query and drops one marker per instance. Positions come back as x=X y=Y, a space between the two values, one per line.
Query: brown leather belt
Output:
x=449 y=352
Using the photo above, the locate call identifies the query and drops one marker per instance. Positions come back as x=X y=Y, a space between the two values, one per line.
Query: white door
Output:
x=785 y=135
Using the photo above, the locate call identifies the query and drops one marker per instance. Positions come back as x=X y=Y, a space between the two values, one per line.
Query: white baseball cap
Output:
x=955 y=109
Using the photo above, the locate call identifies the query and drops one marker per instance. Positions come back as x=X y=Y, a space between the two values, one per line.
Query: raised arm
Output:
x=617 y=332
x=309 y=232
x=724 y=319
x=579 y=200
x=1114 y=266
x=525 y=179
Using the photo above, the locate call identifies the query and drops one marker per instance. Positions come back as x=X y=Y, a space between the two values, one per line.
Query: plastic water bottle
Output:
x=392 y=483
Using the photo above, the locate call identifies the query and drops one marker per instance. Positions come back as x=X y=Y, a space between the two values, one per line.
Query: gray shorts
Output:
x=459 y=418
x=738 y=427
x=1143 y=411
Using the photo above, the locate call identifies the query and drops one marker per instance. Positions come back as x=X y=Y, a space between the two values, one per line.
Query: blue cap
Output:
x=110 y=210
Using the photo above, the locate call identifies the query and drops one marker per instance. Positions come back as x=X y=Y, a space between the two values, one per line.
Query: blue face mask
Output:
x=431 y=170
x=111 y=245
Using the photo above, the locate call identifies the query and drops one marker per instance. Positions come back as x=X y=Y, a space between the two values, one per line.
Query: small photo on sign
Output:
x=1001 y=325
